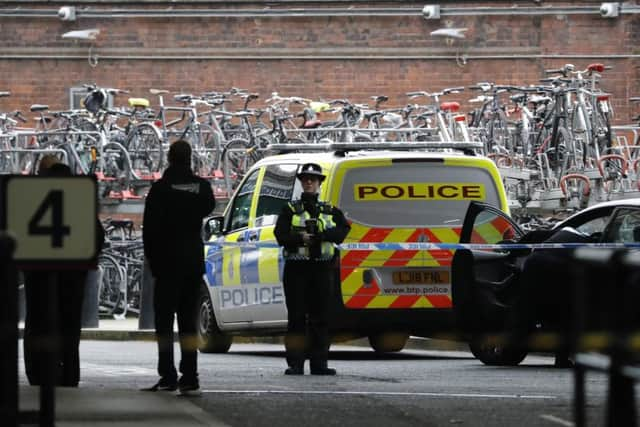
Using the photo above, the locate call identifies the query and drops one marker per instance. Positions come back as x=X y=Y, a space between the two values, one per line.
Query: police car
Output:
x=388 y=196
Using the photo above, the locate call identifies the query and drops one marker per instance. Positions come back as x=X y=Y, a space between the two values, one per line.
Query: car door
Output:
x=484 y=281
x=229 y=264
x=277 y=187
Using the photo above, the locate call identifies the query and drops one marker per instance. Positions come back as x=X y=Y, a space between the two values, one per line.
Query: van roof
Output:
x=333 y=158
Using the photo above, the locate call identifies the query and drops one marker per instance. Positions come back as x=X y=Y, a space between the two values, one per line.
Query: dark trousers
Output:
x=307 y=287
x=44 y=338
x=177 y=294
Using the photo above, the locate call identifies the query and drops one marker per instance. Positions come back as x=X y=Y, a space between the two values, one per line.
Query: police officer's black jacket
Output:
x=173 y=213
x=291 y=239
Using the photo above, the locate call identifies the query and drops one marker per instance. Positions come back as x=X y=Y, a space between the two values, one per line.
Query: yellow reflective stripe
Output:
x=422 y=303
x=488 y=232
x=357 y=232
x=399 y=235
x=445 y=235
x=254 y=198
x=382 y=301
x=268 y=271
x=231 y=262
x=351 y=284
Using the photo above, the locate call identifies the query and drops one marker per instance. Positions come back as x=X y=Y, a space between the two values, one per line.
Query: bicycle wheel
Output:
x=565 y=157
x=134 y=287
x=206 y=150
x=602 y=131
x=144 y=145
x=111 y=278
x=237 y=157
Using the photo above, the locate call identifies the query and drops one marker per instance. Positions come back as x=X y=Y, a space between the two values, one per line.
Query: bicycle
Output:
x=120 y=267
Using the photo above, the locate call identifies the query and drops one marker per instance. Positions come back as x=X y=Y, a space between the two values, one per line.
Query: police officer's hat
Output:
x=311 y=169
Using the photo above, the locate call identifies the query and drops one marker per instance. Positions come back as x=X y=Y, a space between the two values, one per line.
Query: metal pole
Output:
x=146 y=317
x=51 y=364
x=621 y=408
x=8 y=333
x=579 y=283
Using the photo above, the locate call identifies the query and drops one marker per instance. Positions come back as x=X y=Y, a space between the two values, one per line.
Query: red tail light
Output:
x=603 y=97
x=459 y=118
x=158 y=123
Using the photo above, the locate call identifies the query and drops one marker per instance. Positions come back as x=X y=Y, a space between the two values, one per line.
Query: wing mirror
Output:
x=212 y=226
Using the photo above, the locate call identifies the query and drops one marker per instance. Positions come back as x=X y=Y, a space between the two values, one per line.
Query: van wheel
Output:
x=210 y=339
x=493 y=352
x=388 y=342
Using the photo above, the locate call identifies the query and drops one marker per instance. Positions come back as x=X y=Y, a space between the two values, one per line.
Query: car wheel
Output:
x=492 y=351
x=388 y=342
x=210 y=339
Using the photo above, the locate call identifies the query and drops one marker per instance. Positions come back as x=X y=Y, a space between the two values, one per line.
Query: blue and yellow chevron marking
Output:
x=270 y=259
x=231 y=258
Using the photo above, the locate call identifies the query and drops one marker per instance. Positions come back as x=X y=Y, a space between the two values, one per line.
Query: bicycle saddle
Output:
x=138 y=102
x=38 y=107
x=450 y=106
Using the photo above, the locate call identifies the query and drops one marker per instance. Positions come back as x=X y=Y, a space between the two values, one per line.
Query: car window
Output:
x=624 y=226
x=596 y=225
x=276 y=190
x=427 y=194
x=492 y=227
x=239 y=214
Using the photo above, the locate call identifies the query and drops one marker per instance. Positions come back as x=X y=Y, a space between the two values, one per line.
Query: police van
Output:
x=388 y=196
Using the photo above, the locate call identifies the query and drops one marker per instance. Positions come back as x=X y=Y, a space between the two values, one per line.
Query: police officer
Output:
x=308 y=230
x=173 y=213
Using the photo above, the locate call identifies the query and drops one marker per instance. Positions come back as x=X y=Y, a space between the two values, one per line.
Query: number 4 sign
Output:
x=53 y=219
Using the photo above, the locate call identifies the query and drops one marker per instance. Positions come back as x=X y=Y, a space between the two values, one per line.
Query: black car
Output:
x=502 y=296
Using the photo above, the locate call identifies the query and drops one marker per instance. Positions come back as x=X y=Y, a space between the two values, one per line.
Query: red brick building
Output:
x=317 y=49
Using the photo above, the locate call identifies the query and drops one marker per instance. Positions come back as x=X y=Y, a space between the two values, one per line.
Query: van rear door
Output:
x=401 y=201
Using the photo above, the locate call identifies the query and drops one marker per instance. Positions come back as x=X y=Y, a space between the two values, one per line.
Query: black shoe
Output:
x=163 y=385
x=294 y=370
x=323 y=371
x=189 y=387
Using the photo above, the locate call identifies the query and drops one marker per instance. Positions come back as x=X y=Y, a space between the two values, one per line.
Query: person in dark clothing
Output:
x=173 y=214
x=308 y=229
x=41 y=340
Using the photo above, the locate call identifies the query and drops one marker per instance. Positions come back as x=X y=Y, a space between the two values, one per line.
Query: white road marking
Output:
x=557 y=420
x=385 y=393
x=114 y=371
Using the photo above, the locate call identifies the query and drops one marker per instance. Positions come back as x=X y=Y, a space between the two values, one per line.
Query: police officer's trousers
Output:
x=177 y=294
x=307 y=287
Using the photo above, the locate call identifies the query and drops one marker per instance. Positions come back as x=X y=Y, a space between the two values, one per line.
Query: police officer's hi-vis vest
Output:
x=298 y=224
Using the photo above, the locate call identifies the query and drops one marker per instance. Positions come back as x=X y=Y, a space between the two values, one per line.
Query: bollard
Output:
x=90 y=312
x=22 y=304
x=8 y=333
x=146 y=319
x=621 y=407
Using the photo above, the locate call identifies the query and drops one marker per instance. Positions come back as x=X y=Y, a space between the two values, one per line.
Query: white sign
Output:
x=52 y=218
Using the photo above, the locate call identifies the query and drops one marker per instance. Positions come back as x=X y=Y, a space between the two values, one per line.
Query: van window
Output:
x=414 y=194
x=276 y=190
x=239 y=216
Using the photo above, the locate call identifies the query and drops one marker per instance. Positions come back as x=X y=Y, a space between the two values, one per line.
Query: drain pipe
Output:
x=313 y=12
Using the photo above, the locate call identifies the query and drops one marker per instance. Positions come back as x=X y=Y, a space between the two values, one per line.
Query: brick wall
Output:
x=360 y=56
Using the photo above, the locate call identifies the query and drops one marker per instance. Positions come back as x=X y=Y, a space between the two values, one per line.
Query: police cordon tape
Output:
x=424 y=246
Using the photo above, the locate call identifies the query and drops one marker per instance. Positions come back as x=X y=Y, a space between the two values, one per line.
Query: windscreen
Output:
x=419 y=194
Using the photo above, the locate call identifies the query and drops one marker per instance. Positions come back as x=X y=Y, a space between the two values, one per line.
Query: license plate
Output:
x=421 y=277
